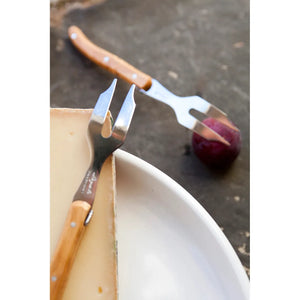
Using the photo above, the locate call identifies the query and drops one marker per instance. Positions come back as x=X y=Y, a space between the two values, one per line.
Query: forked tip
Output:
x=125 y=115
x=131 y=92
x=208 y=133
x=228 y=123
x=103 y=102
x=219 y=115
x=113 y=84
x=129 y=103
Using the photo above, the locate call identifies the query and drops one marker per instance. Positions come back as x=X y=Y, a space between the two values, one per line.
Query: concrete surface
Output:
x=192 y=47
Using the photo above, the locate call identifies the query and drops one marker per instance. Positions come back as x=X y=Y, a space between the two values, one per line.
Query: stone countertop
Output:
x=192 y=47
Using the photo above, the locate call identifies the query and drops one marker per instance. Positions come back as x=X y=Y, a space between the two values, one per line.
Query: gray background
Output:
x=192 y=47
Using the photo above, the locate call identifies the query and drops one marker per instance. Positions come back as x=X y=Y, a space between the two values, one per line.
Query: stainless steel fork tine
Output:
x=103 y=103
x=209 y=134
x=201 y=105
x=219 y=115
x=125 y=115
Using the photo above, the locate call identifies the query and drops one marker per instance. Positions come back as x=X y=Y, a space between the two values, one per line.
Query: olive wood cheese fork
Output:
x=182 y=106
x=80 y=211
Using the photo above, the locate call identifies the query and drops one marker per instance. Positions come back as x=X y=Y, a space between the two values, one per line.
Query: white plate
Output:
x=169 y=246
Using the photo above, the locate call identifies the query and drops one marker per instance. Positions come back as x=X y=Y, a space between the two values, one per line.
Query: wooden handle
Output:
x=67 y=247
x=107 y=60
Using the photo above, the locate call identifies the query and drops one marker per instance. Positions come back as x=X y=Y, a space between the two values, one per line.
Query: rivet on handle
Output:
x=73 y=224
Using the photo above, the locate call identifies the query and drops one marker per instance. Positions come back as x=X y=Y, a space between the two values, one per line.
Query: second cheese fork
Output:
x=182 y=106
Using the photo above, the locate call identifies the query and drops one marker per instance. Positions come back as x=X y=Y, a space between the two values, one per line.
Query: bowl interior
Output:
x=169 y=247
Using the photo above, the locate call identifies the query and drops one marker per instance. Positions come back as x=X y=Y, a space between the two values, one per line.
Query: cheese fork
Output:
x=81 y=211
x=182 y=106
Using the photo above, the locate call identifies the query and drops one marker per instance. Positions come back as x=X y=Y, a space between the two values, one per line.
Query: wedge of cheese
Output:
x=94 y=273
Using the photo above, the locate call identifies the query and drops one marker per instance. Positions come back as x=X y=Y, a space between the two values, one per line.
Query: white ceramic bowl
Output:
x=169 y=246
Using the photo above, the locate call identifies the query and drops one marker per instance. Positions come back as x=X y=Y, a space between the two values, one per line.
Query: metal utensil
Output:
x=81 y=211
x=152 y=88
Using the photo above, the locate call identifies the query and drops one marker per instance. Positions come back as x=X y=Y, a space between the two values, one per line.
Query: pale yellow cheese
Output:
x=94 y=273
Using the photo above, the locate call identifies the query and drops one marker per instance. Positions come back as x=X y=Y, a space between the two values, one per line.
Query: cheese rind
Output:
x=94 y=273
